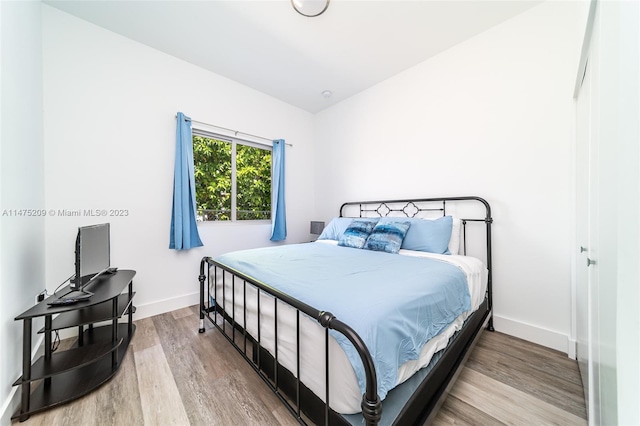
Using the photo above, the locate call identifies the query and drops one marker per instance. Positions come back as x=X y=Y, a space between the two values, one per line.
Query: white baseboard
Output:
x=148 y=309
x=161 y=306
x=572 y=351
x=142 y=311
x=551 y=339
x=541 y=336
x=10 y=405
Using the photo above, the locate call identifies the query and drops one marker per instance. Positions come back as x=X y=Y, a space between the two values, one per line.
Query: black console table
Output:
x=96 y=356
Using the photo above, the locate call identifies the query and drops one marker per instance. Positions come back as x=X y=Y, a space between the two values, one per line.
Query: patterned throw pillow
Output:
x=387 y=236
x=356 y=234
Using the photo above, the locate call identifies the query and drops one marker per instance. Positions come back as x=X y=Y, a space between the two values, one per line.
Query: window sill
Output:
x=233 y=223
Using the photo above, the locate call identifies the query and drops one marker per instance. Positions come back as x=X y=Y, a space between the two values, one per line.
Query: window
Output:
x=233 y=178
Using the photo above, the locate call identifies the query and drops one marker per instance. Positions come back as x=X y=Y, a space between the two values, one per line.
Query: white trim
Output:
x=231 y=139
x=235 y=141
x=10 y=405
x=148 y=310
x=549 y=338
x=234 y=181
x=166 y=305
x=574 y=243
x=572 y=349
x=142 y=311
x=199 y=131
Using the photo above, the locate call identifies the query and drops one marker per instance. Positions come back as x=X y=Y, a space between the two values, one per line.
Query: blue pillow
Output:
x=357 y=233
x=335 y=228
x=427 y=235
x=387 y=236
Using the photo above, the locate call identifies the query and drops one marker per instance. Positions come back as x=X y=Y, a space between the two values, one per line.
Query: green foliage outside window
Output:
x=213 y=178
x=253 y=182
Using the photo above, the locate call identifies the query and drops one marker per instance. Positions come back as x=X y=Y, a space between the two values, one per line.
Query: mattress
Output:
x=345 y=388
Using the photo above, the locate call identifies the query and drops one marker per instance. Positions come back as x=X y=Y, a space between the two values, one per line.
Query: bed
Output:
x=378 y=335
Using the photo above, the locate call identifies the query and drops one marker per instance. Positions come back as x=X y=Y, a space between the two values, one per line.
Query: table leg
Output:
x=131 y=309
x=114 y=331
x=26 y=368
x=47 y=344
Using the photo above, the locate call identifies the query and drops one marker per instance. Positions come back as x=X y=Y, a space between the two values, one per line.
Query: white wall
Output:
x=109 y=121
x=21 y=184
x=490 y=117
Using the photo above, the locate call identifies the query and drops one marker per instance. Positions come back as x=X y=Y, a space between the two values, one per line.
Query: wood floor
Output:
x=172 y=375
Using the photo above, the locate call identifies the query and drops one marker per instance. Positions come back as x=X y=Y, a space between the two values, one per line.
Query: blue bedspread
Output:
x=395 y=303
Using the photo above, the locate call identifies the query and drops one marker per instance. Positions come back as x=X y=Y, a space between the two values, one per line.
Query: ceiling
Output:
x=266 y=45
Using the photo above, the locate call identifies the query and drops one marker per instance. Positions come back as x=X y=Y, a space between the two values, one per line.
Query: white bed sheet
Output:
x=344 y=393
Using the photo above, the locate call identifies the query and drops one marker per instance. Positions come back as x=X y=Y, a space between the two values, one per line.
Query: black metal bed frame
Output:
x=303 y=404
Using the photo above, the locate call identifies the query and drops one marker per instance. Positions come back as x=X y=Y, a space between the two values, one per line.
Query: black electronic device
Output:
x=63 y=301
x=93 y=257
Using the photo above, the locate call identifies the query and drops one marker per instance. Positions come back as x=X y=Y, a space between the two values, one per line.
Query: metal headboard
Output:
x=418 y=208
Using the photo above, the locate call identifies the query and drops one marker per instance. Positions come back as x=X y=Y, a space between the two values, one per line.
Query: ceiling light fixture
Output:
x=310 y=8
x=327 y=93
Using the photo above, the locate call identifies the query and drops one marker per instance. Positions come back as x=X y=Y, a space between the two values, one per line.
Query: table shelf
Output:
x=60 y=377
x=91 y=314
x=73 y=384
x=68 y=360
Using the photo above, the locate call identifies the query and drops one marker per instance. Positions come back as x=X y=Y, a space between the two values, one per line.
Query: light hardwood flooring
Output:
x=172 y=375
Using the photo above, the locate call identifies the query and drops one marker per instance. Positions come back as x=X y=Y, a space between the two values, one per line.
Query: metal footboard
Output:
x=371 y=404
x=287 y=385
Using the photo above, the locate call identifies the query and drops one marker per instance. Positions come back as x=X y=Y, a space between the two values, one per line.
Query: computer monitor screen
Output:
x=93 y=254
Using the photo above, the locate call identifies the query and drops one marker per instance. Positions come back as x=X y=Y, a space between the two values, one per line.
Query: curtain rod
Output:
x=235 y=132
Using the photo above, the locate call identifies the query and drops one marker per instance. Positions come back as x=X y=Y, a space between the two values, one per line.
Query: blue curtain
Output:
x=184 y=232
x=279 y=222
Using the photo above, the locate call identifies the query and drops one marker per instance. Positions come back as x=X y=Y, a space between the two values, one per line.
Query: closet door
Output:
x=587 y=312
x=607 y=134
x=583 y=329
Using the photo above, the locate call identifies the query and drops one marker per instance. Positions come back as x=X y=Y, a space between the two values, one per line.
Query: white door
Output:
x=587 y=307
x=587 y=261
x=607 y=111
x=583 y=112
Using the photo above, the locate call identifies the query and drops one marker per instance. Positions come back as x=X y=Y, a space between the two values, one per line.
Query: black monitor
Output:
x=93 y=255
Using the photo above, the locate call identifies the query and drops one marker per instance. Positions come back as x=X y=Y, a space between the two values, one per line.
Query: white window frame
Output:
x=235 y=141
